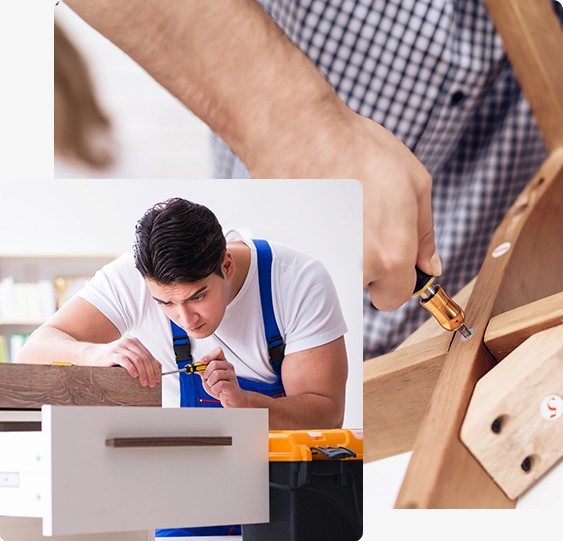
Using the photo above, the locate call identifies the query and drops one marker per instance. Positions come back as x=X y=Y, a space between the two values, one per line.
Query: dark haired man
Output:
x=264 y=318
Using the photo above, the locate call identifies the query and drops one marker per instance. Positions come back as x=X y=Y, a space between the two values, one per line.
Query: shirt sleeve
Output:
x=118 y=291
x=312 y=309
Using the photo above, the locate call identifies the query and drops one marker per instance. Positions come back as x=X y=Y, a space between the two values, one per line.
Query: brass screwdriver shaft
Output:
x=434 y=299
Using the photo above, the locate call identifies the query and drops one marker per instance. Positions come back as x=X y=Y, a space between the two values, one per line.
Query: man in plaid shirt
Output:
x=432 y=73
x=435 y=74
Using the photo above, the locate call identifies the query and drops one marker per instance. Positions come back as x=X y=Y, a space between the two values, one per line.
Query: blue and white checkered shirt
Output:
x=433 y=72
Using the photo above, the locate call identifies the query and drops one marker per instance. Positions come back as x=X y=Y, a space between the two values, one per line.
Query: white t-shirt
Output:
x=305 y=302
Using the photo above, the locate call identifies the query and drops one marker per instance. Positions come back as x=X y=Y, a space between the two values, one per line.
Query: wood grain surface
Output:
x=507 y=331
x=531 y=34
x=29 y=386
x=442 y=473
x=505 y=427
x=397 y=389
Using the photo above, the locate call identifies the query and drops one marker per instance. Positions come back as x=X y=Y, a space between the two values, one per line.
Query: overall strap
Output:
x=276 y=346
x=181 y=342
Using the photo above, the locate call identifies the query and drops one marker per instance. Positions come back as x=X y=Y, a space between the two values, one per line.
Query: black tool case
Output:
x=315 y=487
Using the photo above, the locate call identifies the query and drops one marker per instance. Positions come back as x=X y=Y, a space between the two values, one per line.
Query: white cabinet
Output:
x=215 y=470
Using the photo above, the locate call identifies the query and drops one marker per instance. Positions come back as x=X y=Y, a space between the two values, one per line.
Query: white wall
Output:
x=95 y=217
x=26 y=92
x=156 y=134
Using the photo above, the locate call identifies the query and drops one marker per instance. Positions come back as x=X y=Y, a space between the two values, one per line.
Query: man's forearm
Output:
x=47 y=345
x=229 y=63
x=305 y=411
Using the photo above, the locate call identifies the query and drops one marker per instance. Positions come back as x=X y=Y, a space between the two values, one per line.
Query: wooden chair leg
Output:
x=531 y=35
x=523 y=265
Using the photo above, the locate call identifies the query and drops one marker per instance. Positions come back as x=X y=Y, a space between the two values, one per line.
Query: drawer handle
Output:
x=190 y=441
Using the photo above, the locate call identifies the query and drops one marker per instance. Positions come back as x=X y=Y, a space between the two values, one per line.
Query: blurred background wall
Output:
x=153 y=135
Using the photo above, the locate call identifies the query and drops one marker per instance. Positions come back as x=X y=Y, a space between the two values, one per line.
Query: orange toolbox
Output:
x=315 y=487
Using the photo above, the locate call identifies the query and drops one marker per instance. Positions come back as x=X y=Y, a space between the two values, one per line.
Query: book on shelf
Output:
x=11 y=346
x=4 y=357
x=17 y=340
x=23 y=302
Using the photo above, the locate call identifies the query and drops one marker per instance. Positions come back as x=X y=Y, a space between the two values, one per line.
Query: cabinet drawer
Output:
x=135 y=468
x=21 y=474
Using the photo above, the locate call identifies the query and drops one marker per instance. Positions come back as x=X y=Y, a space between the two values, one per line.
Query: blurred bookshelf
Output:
x=33 y=288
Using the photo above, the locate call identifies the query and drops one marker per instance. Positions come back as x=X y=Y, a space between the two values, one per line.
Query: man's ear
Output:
x=228 y=265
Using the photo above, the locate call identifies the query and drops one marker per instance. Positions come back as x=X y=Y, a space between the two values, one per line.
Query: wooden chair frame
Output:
x=416 y=397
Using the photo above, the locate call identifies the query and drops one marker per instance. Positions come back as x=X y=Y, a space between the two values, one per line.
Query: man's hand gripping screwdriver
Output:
x=190 y=368
x=434 y=299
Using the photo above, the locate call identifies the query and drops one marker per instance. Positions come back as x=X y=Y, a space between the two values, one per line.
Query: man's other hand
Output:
x=220 y=380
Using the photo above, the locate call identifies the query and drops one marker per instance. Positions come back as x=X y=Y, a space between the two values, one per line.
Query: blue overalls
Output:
x=192 y=393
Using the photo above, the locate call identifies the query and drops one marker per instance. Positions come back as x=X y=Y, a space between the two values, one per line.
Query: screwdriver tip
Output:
x=465 y=332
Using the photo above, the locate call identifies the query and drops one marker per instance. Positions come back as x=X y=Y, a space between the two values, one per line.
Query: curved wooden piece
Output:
x=442 y=473
x=507 y=331
x=531 y=35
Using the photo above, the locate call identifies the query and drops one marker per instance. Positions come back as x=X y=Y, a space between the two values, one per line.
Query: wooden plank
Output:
x=531 y=34
x=442 y=473
x=391 y=421
x=507 y=331
x=397 y=389
x=29 y=386
x=513 y=425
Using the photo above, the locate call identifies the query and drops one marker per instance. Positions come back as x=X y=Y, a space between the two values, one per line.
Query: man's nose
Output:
x=187 y=317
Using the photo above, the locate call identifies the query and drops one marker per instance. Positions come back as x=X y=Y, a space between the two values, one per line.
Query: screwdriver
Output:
x=191 y=368
x=434 y=299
